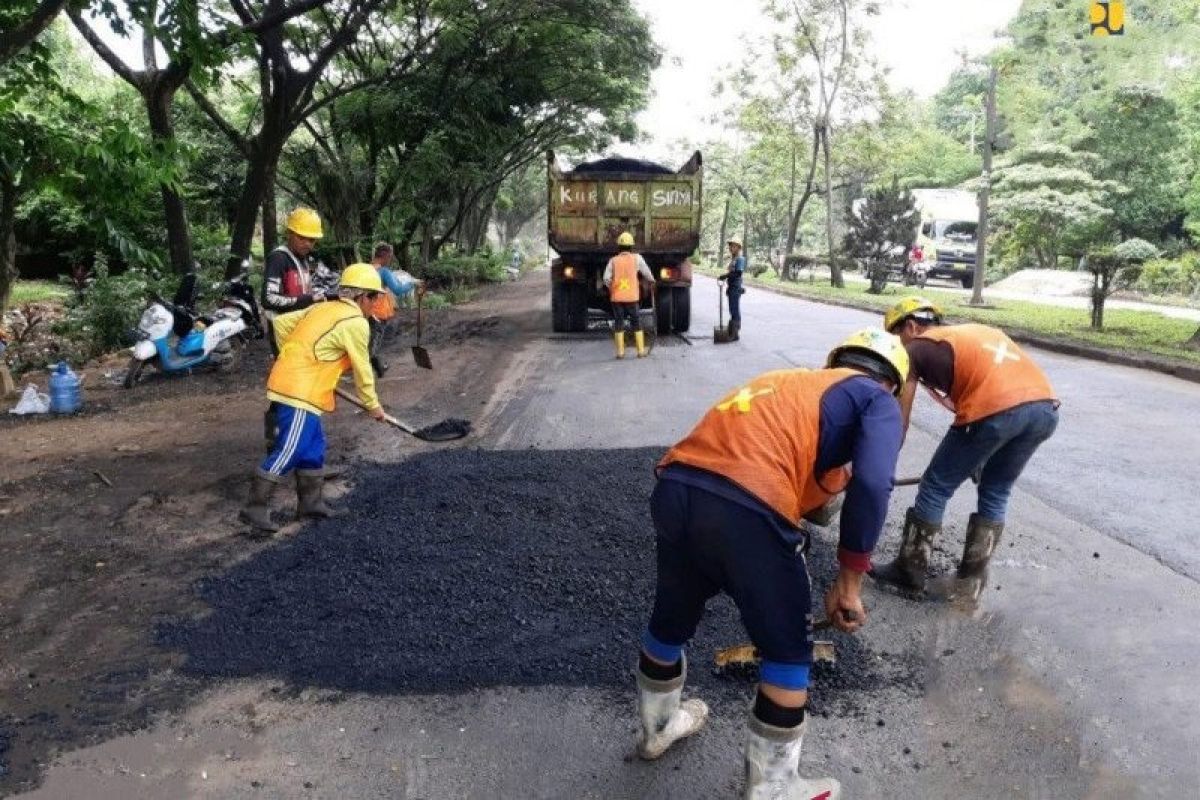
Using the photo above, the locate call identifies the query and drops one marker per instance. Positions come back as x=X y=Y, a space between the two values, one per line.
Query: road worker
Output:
x=1004 y=408
x=319 y=344
x=384 y=308
x=624 y=292
x=733 y=285
x=727 y=509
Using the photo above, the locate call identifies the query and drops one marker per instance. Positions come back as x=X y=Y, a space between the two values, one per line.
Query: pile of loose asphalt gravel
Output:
x=464 y=569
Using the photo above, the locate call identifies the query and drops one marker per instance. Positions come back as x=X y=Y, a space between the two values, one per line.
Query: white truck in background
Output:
x=949 y=221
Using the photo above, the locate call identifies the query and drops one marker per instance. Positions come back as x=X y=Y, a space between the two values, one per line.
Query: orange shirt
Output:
x=763 y=437
x=991 y=373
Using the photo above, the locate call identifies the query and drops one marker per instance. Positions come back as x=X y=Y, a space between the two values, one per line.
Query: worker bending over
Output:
x=318 y=344
x=727 y=509
x=621 y=277
x=1004 y=408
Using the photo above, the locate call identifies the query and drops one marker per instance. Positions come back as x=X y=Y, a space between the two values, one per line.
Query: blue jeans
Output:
x=1000 y=445
x=733 y=290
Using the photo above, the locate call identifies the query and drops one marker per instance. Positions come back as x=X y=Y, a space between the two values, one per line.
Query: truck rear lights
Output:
x=568 y=272
x=666 y=273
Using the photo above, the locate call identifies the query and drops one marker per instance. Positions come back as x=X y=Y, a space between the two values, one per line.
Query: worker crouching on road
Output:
x=727 y=511
x=624 y=293
x=1004 y=408
x=318 y=345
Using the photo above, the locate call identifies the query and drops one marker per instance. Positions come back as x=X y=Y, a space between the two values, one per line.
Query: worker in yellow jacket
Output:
x=318 y=344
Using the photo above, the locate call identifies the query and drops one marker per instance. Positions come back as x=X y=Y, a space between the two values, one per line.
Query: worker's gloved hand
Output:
x=843 y=602
x=378 y=414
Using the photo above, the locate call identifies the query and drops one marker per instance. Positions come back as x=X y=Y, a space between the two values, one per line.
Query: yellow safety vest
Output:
x=298 y=374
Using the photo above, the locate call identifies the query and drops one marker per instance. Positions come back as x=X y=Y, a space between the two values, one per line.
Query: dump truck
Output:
x=594 y=203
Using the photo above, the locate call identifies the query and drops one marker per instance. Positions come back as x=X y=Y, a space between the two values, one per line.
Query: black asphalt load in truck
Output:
x=593 y=204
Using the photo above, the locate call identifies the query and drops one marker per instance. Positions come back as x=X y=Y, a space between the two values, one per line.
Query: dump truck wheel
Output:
x=558 y=308
x=682 y=300
x=665 y=303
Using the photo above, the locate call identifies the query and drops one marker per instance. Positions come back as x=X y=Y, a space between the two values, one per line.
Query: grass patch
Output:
x=1139 y=332
x=37 y=292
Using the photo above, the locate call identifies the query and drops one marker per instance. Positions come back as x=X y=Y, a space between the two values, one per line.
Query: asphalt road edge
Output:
x=1177 y=369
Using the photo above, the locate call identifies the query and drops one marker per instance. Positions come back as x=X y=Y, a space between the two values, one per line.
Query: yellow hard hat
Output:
x=912 y=306
x=361 y=276
x=625 y=239
x=878 y=353
x=305 y=222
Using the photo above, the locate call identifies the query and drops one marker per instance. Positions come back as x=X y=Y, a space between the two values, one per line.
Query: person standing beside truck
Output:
x=1004 y=409
x=727 y=510
x=621 y=276
x=733 y=285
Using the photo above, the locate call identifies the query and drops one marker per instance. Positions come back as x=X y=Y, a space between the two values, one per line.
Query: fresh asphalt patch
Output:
x=464 y=569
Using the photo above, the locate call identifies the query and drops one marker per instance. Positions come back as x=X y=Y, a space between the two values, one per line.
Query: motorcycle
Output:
x=916 y=273
x=172 y=337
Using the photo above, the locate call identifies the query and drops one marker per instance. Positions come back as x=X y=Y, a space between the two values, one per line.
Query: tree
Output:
x=22 y=21
x=196 y=40
x=1137 y=137
x=1047 y=202
x=522 y=197
x=1115 y=268
x=882 y=232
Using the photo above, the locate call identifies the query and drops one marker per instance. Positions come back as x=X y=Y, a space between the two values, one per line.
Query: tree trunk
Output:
x=794 y=221
x=981 y=233
x=724 y=230
x=8 y=237
x=1194 y=342
x=835 y=269
x=158 y=97
x=270 y=224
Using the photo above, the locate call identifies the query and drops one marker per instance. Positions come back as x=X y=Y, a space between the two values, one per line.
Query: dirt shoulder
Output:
x=109 y=517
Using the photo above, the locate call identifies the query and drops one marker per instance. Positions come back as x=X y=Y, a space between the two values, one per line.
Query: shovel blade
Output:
x=421 y=357
x=721 y=336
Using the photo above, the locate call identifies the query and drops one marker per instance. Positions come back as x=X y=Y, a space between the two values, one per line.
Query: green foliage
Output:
x=1047 y=203
x=459 y=270
x=108 y=308
x=1171 y=276
x=1135 y=251
x=37 y=292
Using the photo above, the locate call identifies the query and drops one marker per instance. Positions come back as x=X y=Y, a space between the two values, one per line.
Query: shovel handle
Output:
x=388 y=418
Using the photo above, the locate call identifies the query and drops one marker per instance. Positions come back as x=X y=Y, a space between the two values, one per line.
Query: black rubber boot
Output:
x=916 y=545
x=379 y=367
x=257 y=511
x=310 y=487
x=735 y=328
x=983 y=536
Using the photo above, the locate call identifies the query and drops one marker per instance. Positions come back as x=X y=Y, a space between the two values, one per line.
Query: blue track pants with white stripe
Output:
x=300 y=443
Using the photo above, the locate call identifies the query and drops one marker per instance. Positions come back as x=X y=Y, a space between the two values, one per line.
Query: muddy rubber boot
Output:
x=378 y=366
x=666 y=720
x=983 y=536
x=735 y=327
x=639 y=338
x=332 y=472
x=619 y=339
x=257 y=511
x=916 y=545
x=773 y=766
x=310 y=486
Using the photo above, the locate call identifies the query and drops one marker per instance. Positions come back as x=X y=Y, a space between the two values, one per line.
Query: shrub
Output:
x=1172 y=276
x=459 y=270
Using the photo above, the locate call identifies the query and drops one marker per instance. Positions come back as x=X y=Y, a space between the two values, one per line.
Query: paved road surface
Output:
x=1077 y=677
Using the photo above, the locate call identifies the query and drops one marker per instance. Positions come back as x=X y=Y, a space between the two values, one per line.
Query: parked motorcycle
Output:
x=173 y=338
x=916 y=273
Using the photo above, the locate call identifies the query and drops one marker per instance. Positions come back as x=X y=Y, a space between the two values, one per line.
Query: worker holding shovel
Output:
x=1004 y=408
x=727 y=511
x=398 y=286
x=621 y=276
x=318 y=345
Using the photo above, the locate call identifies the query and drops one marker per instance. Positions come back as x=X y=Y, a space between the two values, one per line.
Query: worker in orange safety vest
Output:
x=1004 y=409
x=621 y=276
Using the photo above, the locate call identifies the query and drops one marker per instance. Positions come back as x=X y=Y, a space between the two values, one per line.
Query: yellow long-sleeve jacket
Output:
x=316 y=345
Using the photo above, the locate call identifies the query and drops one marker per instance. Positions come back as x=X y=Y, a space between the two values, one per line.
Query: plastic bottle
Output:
x=66 y=392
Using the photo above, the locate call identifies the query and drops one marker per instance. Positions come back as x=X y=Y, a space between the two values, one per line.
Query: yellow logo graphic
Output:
x=623 y=285
x=1108 y=19
x=742 y=399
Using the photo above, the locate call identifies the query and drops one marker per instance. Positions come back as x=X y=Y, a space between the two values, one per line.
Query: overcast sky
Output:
x=916 y=39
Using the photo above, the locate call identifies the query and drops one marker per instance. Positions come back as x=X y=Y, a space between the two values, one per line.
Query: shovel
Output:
x=721 y=333
x=420 y=354
x=746 y=655
x=444 y=431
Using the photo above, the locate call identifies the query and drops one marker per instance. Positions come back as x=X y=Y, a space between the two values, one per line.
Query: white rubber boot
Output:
x=773 y=763
x=666 y=720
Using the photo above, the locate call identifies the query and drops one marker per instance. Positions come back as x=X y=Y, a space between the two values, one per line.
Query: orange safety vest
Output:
x=383 y=307
x=624 y=287
x=297 y=372
x=763 y=437
x=991 y=373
